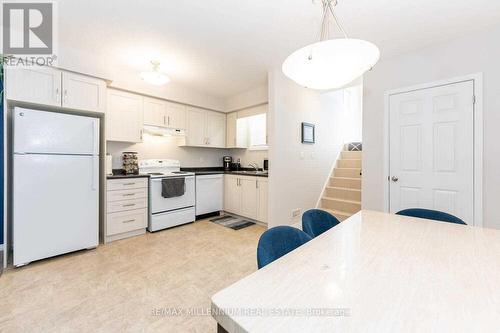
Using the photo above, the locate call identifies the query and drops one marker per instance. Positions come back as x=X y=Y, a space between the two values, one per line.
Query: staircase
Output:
x=342 y=195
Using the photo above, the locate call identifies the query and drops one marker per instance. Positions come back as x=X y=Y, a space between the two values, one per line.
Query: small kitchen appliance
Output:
x=228 y=160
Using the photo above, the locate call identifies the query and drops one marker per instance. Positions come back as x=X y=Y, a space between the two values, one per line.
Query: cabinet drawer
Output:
x=124 y=205
x=121 y=222
x=138 y=193
x=124 y=184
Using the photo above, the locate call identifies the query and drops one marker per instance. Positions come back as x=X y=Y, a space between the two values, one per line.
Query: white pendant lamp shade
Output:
x=155 y=76
x=331 y=64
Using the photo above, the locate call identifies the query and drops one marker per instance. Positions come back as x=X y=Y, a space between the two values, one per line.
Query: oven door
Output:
x=160 y=204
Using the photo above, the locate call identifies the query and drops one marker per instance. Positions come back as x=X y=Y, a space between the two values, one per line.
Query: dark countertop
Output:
x=219 y=170
x=118 y=174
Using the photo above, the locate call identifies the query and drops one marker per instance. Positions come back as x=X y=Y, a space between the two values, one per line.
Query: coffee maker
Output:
x=228 y=160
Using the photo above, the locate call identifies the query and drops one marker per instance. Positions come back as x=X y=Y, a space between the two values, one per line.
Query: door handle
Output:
x=394 y=178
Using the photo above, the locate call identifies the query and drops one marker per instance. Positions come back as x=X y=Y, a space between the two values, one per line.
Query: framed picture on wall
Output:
x=308 y=133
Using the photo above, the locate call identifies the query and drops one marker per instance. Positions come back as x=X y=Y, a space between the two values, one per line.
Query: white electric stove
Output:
x=173 y=211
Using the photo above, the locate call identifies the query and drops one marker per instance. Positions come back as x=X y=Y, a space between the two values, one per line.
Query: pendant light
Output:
x=330 y=63
x=155 y=76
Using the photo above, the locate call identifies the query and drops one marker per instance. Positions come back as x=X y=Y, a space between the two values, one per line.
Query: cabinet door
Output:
x=248 y=188
x=38 y=85
x=195 y=131
x=232 y=195
x=83 y=93
x=232 y=118
x=176 y=116
x=124 y=117
x=154 y=112
x=262 y=194
x=216 y=129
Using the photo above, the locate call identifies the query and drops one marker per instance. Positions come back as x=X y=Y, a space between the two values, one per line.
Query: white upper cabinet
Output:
x=124 y=116
x=38 y=85
x=237 y=131
x=83 y=92
x=154 y=112
x=216 y=129
x=164 y=114
x=50 y=86
x=175 y=115
x=205 y=128
x=196 y=124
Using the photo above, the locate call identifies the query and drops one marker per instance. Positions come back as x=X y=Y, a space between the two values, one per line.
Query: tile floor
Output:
x=119 y=286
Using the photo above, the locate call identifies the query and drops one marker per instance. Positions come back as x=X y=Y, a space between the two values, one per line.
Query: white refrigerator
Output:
x=55 y=184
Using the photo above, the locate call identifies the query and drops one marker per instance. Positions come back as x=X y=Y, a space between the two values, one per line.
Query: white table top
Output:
x=391 y=274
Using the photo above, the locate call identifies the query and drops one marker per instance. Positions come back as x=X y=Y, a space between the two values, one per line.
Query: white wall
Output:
x=167 y=147
x=298 y=171
x=473 y=53
x=256 y=96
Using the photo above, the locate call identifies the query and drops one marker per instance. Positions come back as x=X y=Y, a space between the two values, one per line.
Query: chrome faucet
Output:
x=254 y=165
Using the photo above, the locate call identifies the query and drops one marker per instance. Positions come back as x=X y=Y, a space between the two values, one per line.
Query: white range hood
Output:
x=162 y=131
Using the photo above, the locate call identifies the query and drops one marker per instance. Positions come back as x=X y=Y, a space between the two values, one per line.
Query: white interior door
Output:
x=432 y=150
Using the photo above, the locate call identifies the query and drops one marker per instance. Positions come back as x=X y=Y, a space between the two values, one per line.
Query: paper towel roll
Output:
x=109 y=164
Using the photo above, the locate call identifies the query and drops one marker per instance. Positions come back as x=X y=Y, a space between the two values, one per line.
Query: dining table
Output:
x=373 y=272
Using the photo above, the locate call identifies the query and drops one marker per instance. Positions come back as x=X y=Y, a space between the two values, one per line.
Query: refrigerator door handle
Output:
x=95 y=140
x=95 y=174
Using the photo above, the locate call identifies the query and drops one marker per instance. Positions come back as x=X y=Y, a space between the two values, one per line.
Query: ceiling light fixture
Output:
x=155 y=76
x=330 y=63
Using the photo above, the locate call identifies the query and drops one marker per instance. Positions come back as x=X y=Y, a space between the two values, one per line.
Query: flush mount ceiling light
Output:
x=155 y=76
x=330 y=63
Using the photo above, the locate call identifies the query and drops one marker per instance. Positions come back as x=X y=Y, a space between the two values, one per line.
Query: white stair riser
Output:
x=350 y=173
x=346 y=194
x=346 y=182
x=354 y=155
x=349 y=164
x=343 y=206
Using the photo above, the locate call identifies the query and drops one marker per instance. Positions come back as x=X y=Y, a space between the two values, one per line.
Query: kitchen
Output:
x=139 y=143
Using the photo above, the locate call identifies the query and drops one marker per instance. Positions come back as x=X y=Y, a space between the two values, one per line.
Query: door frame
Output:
x=477 y=80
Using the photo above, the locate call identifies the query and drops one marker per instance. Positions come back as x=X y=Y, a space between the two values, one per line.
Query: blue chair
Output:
x=317 y=221
x=278 y=241
x=431 y=215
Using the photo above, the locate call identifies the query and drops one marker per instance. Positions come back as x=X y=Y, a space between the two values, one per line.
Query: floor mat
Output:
x=233 y=222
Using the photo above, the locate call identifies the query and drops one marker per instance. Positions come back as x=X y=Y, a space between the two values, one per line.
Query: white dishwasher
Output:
x=209 y=193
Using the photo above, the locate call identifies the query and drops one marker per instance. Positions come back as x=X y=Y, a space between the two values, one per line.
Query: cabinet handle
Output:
x=168 y=120
x=256 y=184
x=141 y=134
x=128 y=221
x=129 y=205
x=128 y=184
x=65 y=95
x=164 y=120
x=57 y=95
x=128 y=194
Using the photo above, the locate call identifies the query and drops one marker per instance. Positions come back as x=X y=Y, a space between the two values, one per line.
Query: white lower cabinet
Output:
x=246 y=196
x=126 y=208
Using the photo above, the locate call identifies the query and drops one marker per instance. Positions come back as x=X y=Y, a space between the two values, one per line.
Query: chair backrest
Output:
x=317 y=221
x=431 y=215
x=278 y=241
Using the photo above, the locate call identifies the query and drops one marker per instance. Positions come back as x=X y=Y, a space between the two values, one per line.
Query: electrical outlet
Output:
x=296 y=212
